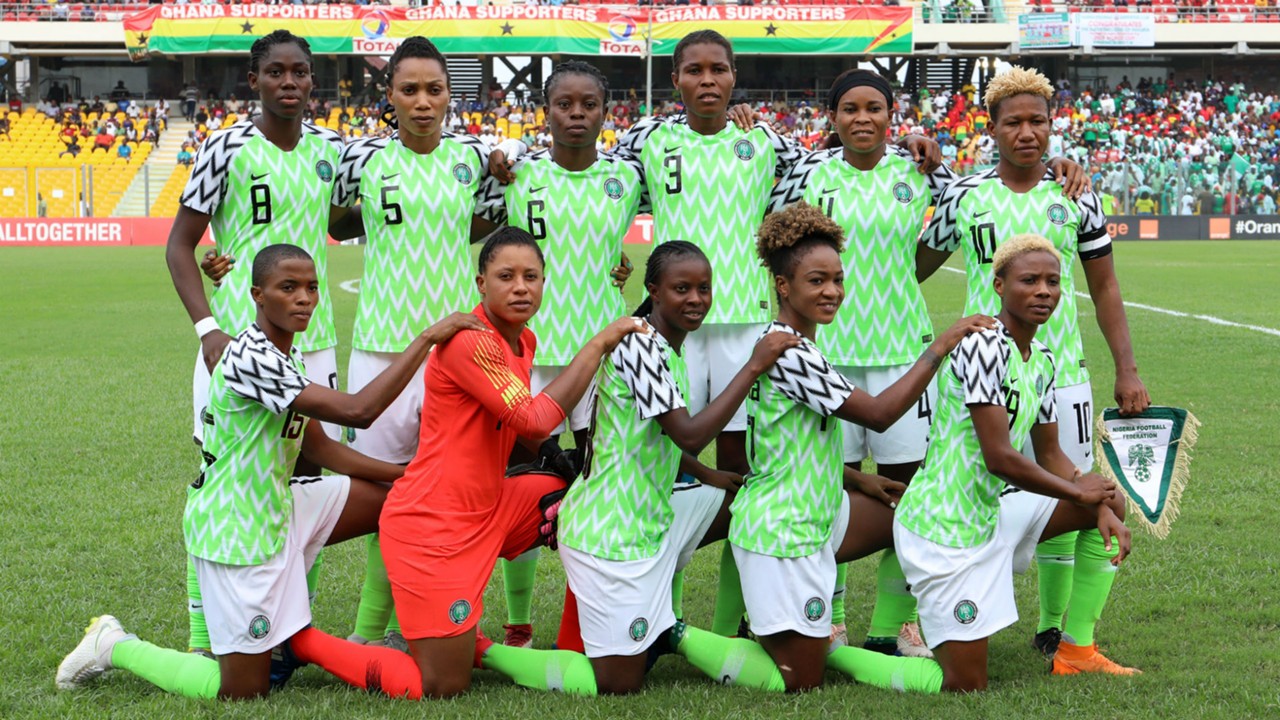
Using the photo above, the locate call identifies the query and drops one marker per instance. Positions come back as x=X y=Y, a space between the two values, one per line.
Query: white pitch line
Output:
x=1174 y=313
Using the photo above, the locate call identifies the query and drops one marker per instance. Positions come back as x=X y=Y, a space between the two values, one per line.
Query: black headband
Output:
x=845 y=83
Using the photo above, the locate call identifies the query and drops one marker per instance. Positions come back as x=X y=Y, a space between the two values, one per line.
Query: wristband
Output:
x=206 y=326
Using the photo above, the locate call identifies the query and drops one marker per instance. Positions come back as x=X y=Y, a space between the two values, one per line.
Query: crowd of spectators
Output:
x=113 y=125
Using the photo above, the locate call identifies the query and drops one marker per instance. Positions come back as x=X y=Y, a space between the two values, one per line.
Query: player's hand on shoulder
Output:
x=1113 y=528
x=1072 y=176
x=1093 y=488
x=770 y=348
x=963 y=327
x=924 y=151
x=215 y=266
x=452 y=325
x=618 y=329
x=500 y=167
x=1131 y=394
x=743 y=116
x=877 y=487
x=212 y=346
x=622 y=272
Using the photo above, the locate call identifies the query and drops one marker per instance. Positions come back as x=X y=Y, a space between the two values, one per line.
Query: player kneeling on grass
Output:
x=793 y=520
x=251 y=530
x=958 y=534
x=626 y=527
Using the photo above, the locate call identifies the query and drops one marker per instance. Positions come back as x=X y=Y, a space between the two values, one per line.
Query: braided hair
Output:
x=661 y=257
x=574 y=67
x=262 y=47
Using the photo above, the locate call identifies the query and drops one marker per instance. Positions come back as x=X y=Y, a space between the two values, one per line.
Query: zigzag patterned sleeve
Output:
x=492 y=202
x=979 y=362
x=1092 y=239
x=1049 y=403
x=790 y=189
x=643 y=366
x=207 y=185
x=346 y=190
x=940 y=179
x=631 y=144
x=258 y=371
x=941 y=233
x=805 y=376
x=788 y=152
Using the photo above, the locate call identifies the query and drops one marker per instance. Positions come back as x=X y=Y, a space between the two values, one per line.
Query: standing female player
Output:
x=578 y=205
x=452 y=515
x=792 y=521
x=875 y=193
x=977 y=214
x=266 y=179
x=958 y=539
x=626 y=528
x=253 y=531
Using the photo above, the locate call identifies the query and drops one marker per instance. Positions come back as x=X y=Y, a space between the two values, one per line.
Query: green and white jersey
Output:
x=792 y=493
x=417 y=213
x=238 y=509
x=260 y=195
x=883 y=320
x=953 y=500
x=621 y=507
x=580 y=218
x=979 y=212
x=713 y=190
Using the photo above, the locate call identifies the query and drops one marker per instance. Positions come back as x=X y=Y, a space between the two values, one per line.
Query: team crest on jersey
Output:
x=966 y=612
x=902 y=193
x=459 y=611
x=324 y=171
x=1040 y=385
x=639 y=629
x=462 y=173
x=744 y=150
x=259 y=626
x=613 y=188
x=1058 y=214
x=815 y=608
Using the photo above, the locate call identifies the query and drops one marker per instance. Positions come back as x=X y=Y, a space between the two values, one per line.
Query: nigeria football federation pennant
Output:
x=1149 y=456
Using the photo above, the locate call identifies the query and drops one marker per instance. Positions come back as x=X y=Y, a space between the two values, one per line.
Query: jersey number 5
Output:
x=394 y=215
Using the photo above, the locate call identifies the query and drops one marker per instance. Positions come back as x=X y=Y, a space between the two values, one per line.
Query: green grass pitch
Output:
x=95 y=456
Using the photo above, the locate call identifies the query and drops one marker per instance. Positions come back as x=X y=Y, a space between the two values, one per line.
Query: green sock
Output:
x=393 y=622
x=895 y=604
x=375 y=596
x=677 y=594
x=730 y=606
x=728 y=661
x=837 y=596
x=557 y=670
x=1090 y=587
x=1056 y=560
x=197 y=630
x=903 y=674
x=313 y=577
x=185 y=674
x=518 y=577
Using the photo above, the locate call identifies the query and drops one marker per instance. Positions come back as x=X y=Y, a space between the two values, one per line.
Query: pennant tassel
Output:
x=1153 y=511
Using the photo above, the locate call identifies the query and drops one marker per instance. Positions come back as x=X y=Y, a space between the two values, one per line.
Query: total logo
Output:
x=375 y=25
x=378 y=46
x=622 y=28
x=612 y=47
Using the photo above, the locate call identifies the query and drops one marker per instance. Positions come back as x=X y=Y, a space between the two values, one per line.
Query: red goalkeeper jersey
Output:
x=475 y=403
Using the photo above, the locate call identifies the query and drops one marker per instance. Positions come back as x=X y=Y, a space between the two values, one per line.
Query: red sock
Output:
x=570 y=635
x=376 y=669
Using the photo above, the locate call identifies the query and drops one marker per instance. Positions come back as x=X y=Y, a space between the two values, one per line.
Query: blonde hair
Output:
x=783 y=233
x=1019 y=245
x=1016 y=81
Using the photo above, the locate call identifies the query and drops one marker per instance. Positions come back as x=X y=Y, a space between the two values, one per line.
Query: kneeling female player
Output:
x=251 y=530
x=793 y=520
x=626 y=528
x=958 y=540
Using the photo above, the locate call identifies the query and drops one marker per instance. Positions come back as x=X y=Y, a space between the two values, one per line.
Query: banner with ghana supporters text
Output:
x=519 y=30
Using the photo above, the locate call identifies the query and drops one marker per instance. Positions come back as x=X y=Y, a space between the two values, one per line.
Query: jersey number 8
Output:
x=260 y=200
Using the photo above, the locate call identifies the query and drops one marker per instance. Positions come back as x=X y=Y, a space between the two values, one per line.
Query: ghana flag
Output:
x=518 y=30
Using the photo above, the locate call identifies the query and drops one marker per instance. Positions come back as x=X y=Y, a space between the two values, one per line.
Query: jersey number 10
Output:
x=984 y=242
